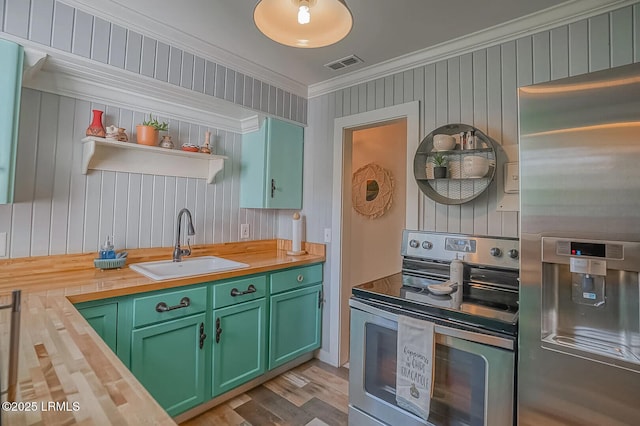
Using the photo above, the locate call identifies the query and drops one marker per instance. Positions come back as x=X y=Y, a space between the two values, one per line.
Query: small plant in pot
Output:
x=439 y=161
x=147 y=132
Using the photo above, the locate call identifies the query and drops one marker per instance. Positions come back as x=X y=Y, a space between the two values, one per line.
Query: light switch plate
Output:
x=244 y=231
x=511 y=178
x=508 y=188
x=327 y=235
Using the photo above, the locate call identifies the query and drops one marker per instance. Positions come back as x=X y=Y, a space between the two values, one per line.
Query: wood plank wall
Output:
x=59 y=210
x=478 y=88
x=63 y=27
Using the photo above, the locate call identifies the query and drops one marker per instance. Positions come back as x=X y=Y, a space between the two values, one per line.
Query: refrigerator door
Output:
x=580 y=180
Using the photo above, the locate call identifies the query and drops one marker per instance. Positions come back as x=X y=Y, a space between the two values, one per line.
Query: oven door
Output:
x=473 y=378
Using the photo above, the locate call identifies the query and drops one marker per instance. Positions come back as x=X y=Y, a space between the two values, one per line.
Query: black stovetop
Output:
x=490 y=308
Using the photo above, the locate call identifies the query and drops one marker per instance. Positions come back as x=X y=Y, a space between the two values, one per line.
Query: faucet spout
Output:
x=178 y=252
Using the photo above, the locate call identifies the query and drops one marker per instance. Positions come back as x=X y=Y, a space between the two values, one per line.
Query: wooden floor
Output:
x=313 y=394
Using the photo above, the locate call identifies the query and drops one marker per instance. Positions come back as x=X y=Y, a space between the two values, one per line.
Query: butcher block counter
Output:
x=67 y=374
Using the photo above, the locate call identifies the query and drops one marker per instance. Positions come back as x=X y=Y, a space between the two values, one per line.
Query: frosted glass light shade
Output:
x=330 y=22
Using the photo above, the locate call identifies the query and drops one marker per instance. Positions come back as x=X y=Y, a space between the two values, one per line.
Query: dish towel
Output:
x=414 y=373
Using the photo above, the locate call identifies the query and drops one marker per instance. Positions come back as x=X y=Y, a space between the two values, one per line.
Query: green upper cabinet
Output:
x=271 y=167
x=11 y=59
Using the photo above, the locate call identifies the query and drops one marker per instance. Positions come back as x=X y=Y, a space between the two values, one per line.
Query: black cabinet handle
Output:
x=251 y=289
x=162 y=307
x=202 y=335
x=273 y=187
x=218 y=330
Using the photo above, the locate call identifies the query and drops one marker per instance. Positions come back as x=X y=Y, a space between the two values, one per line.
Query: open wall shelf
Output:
x=456 y=188
x=101 y=154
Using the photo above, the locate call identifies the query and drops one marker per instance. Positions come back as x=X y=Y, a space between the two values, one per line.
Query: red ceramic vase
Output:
x=95 y=128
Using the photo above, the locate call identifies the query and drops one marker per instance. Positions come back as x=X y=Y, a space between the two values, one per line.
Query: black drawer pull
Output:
x=202 y=335
x=162 y=307
x=251 y=289
x=218 y=330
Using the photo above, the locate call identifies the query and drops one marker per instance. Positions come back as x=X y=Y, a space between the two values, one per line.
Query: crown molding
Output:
x=546 y=19
x=53 y=71
x=135 y=21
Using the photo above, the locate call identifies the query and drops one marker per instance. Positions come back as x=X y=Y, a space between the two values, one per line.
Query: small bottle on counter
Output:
x=107 y=250
x=463 y=140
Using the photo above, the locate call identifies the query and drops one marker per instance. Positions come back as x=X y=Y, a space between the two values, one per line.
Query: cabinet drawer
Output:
x=296 y=278
x=222 y=293
x=145 y=309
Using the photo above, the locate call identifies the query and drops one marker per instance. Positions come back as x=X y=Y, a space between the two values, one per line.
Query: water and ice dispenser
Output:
x=591 y=300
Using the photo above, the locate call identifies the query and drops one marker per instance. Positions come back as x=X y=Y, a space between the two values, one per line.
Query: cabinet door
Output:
x=169 y=360
x=271 y=166
x=238 y=340
x=284 y=166
x=103 y=319
x=11 y=58
x=294 y=328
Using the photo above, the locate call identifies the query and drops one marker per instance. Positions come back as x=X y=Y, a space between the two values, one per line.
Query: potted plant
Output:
x=147 y=132
x=439 y=161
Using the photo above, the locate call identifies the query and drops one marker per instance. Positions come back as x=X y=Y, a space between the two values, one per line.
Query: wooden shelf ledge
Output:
x=101 y=154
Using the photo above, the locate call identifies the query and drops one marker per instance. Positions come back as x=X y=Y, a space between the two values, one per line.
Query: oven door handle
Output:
x=485 y=339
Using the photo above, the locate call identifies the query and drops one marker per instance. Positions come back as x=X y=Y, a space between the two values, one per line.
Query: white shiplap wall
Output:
x=58 y=25
x=478 y=88
x=59 y=210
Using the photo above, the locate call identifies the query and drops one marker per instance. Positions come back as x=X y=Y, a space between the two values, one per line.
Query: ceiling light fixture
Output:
x=303 y=23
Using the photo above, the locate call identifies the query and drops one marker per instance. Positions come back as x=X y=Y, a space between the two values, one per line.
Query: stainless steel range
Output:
x=475 y=335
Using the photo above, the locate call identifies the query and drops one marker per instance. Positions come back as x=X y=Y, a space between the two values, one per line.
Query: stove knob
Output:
x=427 y=245
x=495 y=252
x=414 y=243
x=513 y=253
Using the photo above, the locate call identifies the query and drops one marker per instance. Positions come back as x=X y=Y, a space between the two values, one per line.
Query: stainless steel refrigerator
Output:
x=579 y=341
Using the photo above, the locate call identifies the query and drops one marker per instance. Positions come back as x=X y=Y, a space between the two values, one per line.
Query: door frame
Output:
x=342 y=133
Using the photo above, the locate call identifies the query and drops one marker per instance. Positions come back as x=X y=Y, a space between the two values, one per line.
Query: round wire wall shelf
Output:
x=456 y=188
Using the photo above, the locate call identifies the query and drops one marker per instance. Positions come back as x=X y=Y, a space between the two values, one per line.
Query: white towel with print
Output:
x=414 y=373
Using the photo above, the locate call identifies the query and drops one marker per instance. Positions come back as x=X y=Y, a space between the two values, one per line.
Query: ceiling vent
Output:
x=344 y=62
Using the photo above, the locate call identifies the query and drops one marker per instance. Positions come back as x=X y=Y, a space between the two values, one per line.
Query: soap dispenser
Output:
x=107 y=250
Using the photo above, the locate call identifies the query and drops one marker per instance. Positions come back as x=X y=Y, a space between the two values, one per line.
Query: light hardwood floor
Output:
x=312 y=394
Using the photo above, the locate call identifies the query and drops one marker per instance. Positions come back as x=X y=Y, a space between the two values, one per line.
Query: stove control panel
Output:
x=479 y=250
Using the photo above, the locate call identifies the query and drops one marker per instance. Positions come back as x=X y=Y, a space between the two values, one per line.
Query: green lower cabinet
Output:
x=238 y=341
x=103 y=319
x=294 y=327
x=169 y=360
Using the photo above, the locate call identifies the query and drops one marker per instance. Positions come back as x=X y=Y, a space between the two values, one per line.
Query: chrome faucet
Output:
x=177 y=251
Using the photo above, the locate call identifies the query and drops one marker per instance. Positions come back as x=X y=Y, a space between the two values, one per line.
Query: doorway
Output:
x=361 y=139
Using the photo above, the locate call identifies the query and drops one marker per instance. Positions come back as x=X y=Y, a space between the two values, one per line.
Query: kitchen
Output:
x=472 y=81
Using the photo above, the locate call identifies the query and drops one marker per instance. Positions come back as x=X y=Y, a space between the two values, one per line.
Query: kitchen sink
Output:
x=168 y=269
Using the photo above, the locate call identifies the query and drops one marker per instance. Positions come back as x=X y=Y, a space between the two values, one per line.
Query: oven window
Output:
x=459 y=378
x=380 y=362
x=459 y=388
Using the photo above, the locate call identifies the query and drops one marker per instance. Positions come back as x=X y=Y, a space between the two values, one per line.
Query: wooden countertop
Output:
x=63 y=360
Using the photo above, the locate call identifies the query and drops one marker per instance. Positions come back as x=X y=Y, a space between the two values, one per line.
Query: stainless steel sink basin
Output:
x=168 y=269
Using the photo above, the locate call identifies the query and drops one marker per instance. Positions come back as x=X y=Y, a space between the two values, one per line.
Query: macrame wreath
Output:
x=372 y=190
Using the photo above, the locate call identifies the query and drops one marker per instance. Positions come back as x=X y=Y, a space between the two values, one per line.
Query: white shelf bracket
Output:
x=215 y=166
x=128 y=157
